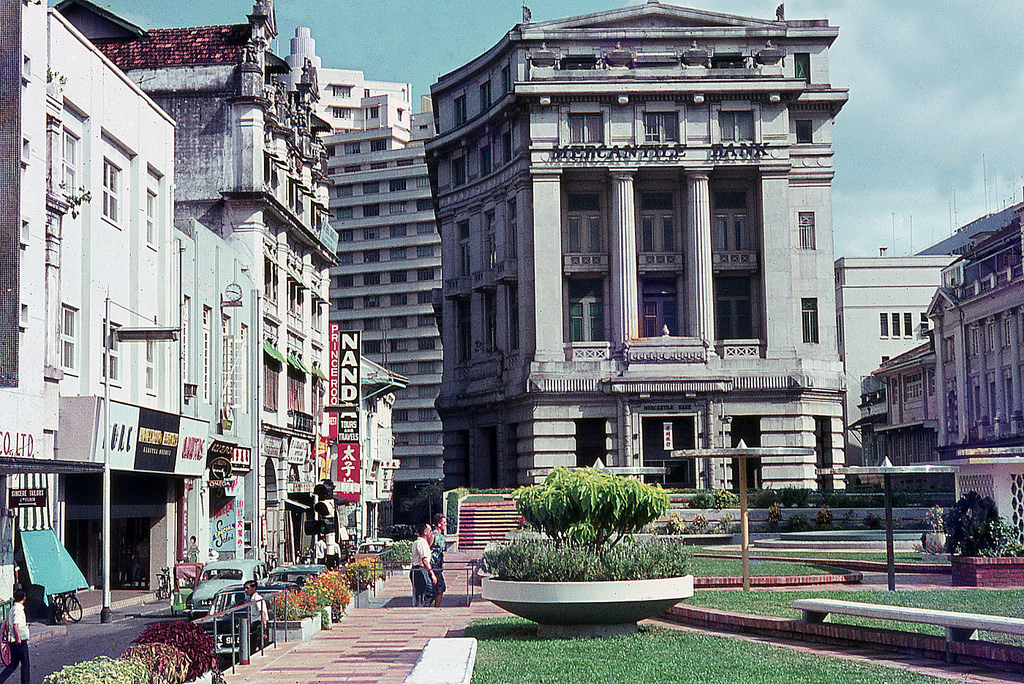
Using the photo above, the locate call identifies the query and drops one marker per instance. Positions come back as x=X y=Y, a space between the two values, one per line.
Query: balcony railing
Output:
x=740 y=261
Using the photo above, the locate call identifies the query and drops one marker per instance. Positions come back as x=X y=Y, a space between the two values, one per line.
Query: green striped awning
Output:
x=271 y=351
x=34 y=517
x=297 y=364
x=318 y=372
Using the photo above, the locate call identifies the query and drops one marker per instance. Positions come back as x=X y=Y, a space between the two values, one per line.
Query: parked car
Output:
x=294 y=575
x=221 y=575
x=225 y=627
x=368 y=546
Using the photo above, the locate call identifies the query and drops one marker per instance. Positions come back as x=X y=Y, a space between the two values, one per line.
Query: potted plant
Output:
x=933 y=540
x=984 y=550
x=295 y=615
x=588 y=576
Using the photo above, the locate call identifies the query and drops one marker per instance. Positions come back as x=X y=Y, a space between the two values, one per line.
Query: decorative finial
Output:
x=527 y=15
x=780 y=12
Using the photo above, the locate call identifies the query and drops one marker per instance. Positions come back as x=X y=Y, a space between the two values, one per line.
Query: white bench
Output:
x=445 y=661
x=959 y=626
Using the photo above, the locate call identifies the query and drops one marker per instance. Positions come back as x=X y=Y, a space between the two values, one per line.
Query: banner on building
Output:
x=347 y=484
x=323 y=457
x=142 y=439
x=333 y=377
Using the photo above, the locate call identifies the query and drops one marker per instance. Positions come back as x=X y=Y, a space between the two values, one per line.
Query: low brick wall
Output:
x=987 y=572
x=779 y=581
x=848 y=563
x=982 y=653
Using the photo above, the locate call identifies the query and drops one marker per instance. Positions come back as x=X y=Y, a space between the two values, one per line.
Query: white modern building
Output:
x=389 y=264
x=349 y=101
x=882 y=305
x=636 y=224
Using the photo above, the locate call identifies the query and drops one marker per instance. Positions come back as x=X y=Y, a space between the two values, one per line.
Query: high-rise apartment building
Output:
x=389 y=263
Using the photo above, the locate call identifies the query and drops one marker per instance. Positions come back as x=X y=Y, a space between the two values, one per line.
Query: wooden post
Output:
x=744 y=523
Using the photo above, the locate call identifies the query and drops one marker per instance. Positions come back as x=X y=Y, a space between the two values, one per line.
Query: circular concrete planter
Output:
x=587 y=608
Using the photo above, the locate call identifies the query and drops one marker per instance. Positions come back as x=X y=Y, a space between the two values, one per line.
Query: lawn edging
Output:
x=974 y=652
x=849 y=563
x=852 y=577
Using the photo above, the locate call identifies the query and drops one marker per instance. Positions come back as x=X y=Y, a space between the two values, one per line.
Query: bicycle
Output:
x=163 y=591
x=5 y=642
x=66 y=608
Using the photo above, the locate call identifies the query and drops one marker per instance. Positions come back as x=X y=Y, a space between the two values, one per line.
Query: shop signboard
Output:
x=323 y=458
x=347 y=484
x=26 y=498
x=191 y=446
x=146 y=440
x=223 y=527
x=333 y=377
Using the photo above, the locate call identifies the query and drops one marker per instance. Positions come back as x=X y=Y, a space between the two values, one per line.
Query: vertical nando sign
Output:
x=349 y=359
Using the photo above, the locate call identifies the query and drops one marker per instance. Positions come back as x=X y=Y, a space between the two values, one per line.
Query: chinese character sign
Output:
x=666 y=429
x=347 y=485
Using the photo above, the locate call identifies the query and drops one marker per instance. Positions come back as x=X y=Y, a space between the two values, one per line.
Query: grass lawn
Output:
x=901 y=556
x=1008 y=602
x=509 y=651
x=733 y=567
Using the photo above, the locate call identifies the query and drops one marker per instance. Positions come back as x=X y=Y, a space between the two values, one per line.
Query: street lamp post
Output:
x=124 y=334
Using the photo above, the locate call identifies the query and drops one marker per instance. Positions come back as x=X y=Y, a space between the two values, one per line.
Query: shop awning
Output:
x=271 y=351
x=297 y=364
x=49 y=564
x=318 y=372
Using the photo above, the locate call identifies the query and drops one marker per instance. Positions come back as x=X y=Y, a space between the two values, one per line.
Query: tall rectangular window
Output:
x=378 y=145
x=586 y=128
x=658 y=308
x=68 y=337
x=114 y=352
x=485 y=95
x=506 y=79
x=807 y=239
x=111 y=190
x=657 y=223
x=490 y=244
x=460 y=110
x=458 y=171
x=584 y=222
x=207 y=351
x=661 y=127
x=513 y=317
x=151 y=208
x=804 y=131
x=586 y=310
x=150 y=366
x=511 y=230
x=490 y=321
x=186 y=330
x=895 y=324
x=809 y=318
x=485 y=159
x=802 y=66
x=464 y=257
x=242 y=365
x=463 y=329
x=883 y=325
x=733 y=310
x=730 y=221
x=736 y=126
x=908 y=324
x=69 y=161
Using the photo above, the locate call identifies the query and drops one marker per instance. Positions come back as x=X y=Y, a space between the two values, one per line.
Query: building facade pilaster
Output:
x=698 y=255
x=624 y=293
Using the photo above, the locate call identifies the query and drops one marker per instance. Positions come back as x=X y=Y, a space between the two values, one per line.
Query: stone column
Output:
x=625 y=303
x=698 y=257
x=543 y=286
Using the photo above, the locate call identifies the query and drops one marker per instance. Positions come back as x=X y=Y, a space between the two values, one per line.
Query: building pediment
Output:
x=654 y=15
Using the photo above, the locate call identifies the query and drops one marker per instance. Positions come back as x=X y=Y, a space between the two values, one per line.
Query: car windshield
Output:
x=222 y=573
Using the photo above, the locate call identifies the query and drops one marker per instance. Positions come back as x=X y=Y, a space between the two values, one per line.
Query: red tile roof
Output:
x=200 y=45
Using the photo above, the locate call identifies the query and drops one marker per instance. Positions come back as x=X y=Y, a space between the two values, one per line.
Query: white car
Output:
x=373 y=545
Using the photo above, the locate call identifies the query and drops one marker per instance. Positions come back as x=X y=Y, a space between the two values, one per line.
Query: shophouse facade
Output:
x=635 y=216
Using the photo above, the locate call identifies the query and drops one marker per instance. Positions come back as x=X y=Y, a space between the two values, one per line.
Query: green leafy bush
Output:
x=675 y=525
x=701 y=500
x=590 y=507
x=165 y=663
x=102 y=670
x=873 y=522
x=974 y=528
x=798 y=522
x=823 y=520
x=399 y=553
x=1005 y=541
x=765 y=498
x=726 y=499
x=548 y=561
x=699 y=525
x=793 y=497
x=774 y=515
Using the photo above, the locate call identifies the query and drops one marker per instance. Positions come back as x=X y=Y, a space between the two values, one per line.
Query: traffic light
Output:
x=320 y=526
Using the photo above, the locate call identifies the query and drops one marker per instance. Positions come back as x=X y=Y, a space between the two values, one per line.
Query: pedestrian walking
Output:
x=258 y=613
x=320 y=551
x=18 y=636
x=422 y=575
x=437 y=557
x=333 y=554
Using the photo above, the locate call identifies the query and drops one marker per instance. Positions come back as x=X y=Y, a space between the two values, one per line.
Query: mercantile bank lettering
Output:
x=653 y=152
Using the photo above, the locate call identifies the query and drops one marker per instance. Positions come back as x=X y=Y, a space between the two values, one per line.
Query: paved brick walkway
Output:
x=382 y=644
x=376 y=644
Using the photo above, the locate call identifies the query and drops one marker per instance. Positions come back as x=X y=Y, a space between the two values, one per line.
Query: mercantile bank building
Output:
x=636 y=222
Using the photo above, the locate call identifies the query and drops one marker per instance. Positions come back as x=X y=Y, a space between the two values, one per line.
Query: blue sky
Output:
x=936 y=88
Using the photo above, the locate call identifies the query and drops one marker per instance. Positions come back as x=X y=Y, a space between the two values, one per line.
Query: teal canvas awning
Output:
x=49 y=564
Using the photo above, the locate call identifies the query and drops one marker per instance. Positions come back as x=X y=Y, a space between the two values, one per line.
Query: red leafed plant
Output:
x=187 y=637
x=166 y=663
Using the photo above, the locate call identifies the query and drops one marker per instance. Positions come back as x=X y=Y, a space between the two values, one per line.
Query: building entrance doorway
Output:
x=676 y=432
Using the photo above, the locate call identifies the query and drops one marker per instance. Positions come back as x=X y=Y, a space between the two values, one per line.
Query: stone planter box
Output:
x=987 y=572
x=295 y=630
x=587 y=608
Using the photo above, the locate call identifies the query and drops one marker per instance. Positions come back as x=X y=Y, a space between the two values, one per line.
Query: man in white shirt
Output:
x=422 y=575
x=257 y=606
x=18 y=636
x=320 y=550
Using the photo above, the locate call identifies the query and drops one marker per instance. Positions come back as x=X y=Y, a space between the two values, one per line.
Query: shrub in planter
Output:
x=675 y=525
x=765 y=498
x=774 y=515
x=293 y=604
x=873 y=522
x=968 y=525
x=165 y=663
x=793 y=497
x=726 y=499
x=549 y=561
x=798 y=522
x=363 y=573
x=102 y=670
x=187 y=637
x=699 y=525
x=590 y=507
x=399 y=553
x=701 y=500
x=823 y=520
x=330 y=589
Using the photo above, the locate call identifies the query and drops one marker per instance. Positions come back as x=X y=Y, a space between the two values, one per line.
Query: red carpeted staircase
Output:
x=481 y=523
